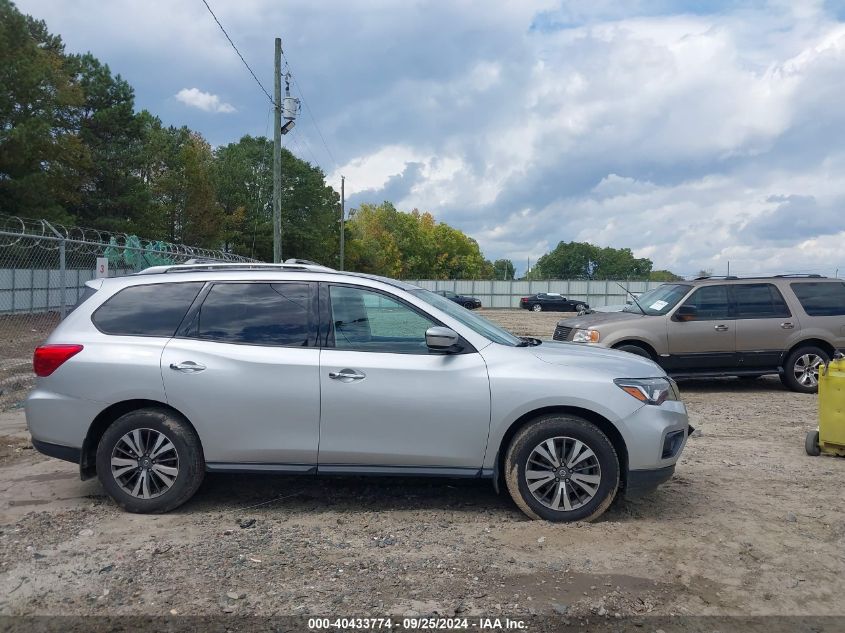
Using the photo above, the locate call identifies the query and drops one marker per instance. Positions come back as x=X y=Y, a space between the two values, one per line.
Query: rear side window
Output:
x=821 y=298
x=256 y=314
x=759 y=301
x=148 y=310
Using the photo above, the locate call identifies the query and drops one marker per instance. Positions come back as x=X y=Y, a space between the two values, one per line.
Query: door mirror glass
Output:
x=686 y=313
x=441 y=339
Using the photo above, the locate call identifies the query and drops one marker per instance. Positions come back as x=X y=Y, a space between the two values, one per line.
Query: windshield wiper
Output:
x=633 y=296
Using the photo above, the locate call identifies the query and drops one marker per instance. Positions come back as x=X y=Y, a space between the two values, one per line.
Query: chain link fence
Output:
x=43 y=270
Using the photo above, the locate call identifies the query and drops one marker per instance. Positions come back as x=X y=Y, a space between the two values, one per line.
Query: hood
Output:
x=586 y=357
x=597 y=318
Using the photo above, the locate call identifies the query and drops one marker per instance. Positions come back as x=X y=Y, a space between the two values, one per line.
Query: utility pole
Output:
x=729 y=268
x=342 y=217
x=277 y=156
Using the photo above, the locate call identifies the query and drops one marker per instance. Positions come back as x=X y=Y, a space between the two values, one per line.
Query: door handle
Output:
x=721 y=328
x=187 y=367
x=787 y=325
x=346 y=375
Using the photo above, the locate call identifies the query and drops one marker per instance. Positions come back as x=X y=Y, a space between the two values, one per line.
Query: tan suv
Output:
x=728 y=326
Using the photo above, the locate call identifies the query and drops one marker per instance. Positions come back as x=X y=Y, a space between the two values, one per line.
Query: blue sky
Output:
x=695 y=133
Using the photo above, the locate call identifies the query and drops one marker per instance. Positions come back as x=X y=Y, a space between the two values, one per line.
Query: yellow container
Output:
x=830 y=438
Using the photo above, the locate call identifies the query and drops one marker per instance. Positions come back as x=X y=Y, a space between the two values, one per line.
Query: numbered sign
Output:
x=102 y=267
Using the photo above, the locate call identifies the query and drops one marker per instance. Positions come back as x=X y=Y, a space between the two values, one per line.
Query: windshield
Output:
x=658 y=301
x=476 y=323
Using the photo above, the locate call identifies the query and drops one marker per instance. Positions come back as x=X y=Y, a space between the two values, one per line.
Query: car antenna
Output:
x=633 y=296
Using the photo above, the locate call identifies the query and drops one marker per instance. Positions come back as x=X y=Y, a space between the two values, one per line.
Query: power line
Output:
x=310 y=113
x=260 y=85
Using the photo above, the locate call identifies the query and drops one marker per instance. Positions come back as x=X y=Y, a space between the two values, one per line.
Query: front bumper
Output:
x=641 y=482
x=648 y=429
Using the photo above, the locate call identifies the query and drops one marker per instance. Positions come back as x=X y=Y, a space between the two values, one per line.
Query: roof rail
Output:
x=715 y=277
x=808 y=275
x=225 y=267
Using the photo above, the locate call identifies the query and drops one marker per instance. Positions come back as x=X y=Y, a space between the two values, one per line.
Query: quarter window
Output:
x=710 y=303
x=148 y=310
x=821 y=298
x=760 y=301
x=256 y=314
x=372 y=322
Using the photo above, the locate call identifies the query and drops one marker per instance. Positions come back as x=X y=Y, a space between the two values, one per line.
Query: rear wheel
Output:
x=537 y=307
x=150 y=460
x=801 y=369
x=579 y=307
x=562 y=468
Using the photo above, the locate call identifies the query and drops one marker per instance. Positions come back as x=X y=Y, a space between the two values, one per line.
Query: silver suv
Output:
x=729 y=326
x=156 y=378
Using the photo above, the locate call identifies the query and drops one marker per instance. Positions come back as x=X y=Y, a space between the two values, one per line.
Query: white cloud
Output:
x=196 y=98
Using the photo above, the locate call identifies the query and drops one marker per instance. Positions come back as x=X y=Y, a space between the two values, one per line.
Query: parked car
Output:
x=470 y=303
x=551 y=301
x=156 y=378
x=749 y=327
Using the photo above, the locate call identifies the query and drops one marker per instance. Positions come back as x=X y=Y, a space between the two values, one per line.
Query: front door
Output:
x=387 y=403
x=706 y=339
x=244 y=368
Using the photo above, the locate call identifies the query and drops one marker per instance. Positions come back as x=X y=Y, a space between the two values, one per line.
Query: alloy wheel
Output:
x=537 y=308
x=144 y=463
x=806 y=369
x=563 y=473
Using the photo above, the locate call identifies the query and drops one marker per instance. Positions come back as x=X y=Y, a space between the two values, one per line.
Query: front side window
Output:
x=256 y=314
x=372 y=322
x=658 y=301
x=148 y=310
x=821 y=298
x=710 y=302
x=759 y=301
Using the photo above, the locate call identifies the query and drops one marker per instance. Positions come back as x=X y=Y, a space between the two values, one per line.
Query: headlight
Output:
x=654 y=391
x=586 y=336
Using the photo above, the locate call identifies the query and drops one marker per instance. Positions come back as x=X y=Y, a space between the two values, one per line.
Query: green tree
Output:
x=503 y=269
x=411 y=245
x=113 y=193
x=43 y=161
x=581 y=260
x=664 y=275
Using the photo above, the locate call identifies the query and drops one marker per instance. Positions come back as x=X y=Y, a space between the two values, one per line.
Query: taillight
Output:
x=48 y=358
x=524 y=299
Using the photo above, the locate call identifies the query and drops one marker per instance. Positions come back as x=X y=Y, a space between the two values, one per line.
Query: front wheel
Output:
x=811 y=444
x=579 y=307
x=150 y=461
x=537 y=307
x=562 y=468
x=801 y=369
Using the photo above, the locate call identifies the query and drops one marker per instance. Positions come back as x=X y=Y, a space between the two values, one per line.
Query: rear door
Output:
x=706 y=342
x=765 y=327
x=244 y=368
x=389 y=404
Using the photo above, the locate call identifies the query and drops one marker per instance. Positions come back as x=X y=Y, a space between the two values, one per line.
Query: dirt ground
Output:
x=748 y=525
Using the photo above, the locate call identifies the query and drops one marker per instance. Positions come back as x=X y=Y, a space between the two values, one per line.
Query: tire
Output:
x=537 y=307
x=579 y=307
x=169 y=471
x=795 y=370
x=635 y=349
x=564 y=431
x=811 y=444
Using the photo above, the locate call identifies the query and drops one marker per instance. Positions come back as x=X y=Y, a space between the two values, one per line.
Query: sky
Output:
x=695 y=133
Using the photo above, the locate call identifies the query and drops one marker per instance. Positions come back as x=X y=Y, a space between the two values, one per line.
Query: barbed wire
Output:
x=19 y=232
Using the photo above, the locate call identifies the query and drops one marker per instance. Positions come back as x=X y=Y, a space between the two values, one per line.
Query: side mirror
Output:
x=441 y=339
x=686 y=313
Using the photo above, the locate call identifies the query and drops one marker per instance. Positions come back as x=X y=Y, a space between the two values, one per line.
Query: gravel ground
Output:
x=748 y=525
